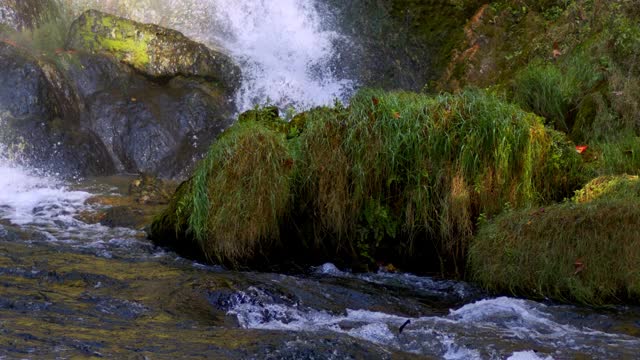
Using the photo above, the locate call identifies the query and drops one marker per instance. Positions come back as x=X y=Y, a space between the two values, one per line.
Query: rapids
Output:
x=71 y=289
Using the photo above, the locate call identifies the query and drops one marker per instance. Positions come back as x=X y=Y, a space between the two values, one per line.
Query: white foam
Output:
x=503 y=320
x=527 y=355
x=27 y=198
x=284 y=52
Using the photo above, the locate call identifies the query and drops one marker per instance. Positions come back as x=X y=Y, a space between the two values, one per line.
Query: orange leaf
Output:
x=580 y=149
x=578 y=266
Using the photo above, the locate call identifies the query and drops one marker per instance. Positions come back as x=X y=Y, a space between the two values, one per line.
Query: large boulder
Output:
x=150 y=49
x=148 y=126
x=39 y=118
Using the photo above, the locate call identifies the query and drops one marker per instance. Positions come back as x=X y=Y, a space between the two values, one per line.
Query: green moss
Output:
x=609 y=187
x=120 y=37
x=585 y=250
x=134 y=51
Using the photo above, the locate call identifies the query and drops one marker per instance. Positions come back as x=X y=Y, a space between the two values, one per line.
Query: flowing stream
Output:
x=69 y=289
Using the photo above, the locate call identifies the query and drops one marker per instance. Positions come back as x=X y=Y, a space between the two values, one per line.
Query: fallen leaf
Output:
x=556 y=50
x=578 y=266
x=580 y=149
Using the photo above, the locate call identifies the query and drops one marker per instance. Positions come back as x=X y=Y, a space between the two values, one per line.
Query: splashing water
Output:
x=284 y=47
x=28 y=198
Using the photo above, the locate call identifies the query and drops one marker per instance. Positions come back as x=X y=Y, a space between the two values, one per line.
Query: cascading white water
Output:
x=284 y=51
x=283 y=47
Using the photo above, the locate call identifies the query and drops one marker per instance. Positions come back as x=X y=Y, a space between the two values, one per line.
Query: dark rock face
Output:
x=97 y=110
x=34 y=99
x=147 y=126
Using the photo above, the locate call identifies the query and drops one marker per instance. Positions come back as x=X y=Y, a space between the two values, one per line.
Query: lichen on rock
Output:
x=152 y=50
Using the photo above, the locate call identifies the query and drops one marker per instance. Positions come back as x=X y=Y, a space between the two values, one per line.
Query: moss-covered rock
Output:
x=585 y=250
x=232 y=207
x=398 y=177
x=155 y=51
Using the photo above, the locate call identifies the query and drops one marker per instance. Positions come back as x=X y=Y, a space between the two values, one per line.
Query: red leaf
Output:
x=580 y=149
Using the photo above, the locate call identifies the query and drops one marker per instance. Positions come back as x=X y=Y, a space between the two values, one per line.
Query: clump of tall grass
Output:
x=618 y=154
x=396 y=174
x=585 y=250
x=234 y=203
x=427 y=166
x=540 y=88
x=554 y=91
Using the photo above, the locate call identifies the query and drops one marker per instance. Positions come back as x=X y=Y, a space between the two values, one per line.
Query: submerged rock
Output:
x=152 y=50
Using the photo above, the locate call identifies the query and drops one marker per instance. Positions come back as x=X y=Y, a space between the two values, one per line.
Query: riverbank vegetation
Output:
x=586 y=249
x=394 y=175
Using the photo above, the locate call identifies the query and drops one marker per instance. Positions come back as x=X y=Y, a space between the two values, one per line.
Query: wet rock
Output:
x=122 y=216
x=12 y=233
x=160 y=128
x=152 y=50
x=99 y=111
x=39 y=117
x=147 y=189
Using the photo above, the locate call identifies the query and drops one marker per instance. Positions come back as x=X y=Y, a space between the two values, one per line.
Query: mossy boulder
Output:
x=585 y=250
x=568 y=61
x=230 y=210
x=152 y=50
x=396 y=177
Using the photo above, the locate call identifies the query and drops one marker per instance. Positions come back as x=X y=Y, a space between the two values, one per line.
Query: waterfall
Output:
x=284 y=47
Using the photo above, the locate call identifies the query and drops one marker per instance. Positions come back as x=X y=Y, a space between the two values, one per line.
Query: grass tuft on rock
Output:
x=585 y=250
x=395 y=176
x=234 y=203
x=427 y=167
